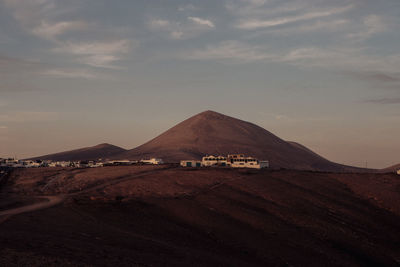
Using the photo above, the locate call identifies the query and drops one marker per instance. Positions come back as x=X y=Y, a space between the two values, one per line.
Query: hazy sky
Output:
x=81 y=72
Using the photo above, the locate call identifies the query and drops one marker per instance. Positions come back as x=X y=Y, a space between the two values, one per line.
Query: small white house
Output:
x=190 y=163
x=154 y=161
x=63 y=164
x=240 y=161
x=30 y=164
x=52 y=164
x=121 y=162
x=213 y=161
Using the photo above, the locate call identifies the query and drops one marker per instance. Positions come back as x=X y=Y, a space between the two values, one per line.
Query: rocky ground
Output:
x=166 y=215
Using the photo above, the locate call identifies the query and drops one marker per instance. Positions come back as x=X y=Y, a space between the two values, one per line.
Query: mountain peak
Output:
x=103 y=145
x=210 y=114
x=213 y=133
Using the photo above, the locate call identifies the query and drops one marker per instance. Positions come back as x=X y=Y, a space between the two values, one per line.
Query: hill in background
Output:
x=212 y=133
x=392 y=168
x=87 y=153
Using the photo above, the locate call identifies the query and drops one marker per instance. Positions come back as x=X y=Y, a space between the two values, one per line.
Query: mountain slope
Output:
x=213 y=133
x=87 y=153
x=392 y=168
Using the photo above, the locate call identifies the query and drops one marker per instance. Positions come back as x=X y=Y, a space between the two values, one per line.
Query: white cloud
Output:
x=159 y=23
x=309 y=53
x=179 y=30
x=101 y=61
x=52 y=30
x=32 y=14
x=372 y=25
x=344 y=59
x=39 y=17
x=259 y=9
x=232 y=50
x=317 y=26
x=95 y=48
x=250 y=24
x=72 y=73
x=201 y=21
x=97 y=54
x=28 y=13
x=333 y=58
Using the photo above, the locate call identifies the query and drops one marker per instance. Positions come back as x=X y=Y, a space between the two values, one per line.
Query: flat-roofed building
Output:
x=154 y=161
x=190 y=163
x=214 y=161
x=240 y=161
x=121 y=162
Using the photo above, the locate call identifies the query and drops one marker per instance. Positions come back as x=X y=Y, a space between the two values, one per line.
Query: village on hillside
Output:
x=232 y=161
x=15 y=163
x=229 y=161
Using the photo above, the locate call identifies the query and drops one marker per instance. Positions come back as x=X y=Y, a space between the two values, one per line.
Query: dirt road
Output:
x=52 y=201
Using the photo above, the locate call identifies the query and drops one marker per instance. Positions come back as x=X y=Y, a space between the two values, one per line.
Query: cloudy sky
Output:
x=81 y=72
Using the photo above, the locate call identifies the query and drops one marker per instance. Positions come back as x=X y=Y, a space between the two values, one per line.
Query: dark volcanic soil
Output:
x=153 y=216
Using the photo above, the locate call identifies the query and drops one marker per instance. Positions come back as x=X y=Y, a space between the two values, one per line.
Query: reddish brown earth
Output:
x=102 y=151
x=164 y=215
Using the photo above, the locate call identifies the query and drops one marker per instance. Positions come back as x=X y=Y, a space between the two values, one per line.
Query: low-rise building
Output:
x=233 y=161
x=31 y=164
x=121 y=162
x=213 y=161
x=154 y=161
x=190 y=163
x=52 y=164
x=10 y=162
x=240 y=161
x=63 y=164
x=97 y=164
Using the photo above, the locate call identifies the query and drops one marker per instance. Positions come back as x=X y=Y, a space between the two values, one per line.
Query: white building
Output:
x=154 y=161
x=52 y=164
x=97 y=164
x=190 y=163
x=10 y=162
x=31 y=164
x=233 y=161
x=213 y=161
x=240 y=161
x=121 y=162
x=63 y=164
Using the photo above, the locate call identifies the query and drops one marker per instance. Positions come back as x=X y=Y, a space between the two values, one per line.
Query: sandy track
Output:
x=52 y=201
x=55 y=200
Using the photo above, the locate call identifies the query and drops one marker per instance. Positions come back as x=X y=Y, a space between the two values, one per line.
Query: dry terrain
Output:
x=166 y=215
